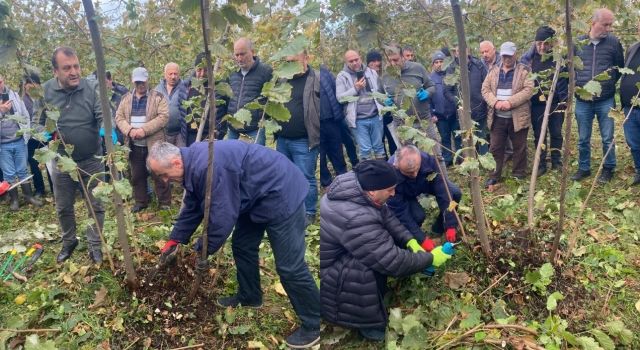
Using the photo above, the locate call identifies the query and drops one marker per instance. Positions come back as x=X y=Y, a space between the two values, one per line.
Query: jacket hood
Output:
x=346 y=188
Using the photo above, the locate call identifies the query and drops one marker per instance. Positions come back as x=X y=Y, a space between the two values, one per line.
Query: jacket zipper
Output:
x=593 y=61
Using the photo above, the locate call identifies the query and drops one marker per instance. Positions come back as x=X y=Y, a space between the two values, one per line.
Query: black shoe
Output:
x=14 y=204
x=542 y=170
x=28 y=195
x=605 y=176
x=66 y=251
x=138 y=208
x=374 y=334
x=490 y=182
x=233 y=301
x=556 y=165
x=581 y=174
x=302 y=338
x=636 y=180
x=309 y=219
x=96 y=256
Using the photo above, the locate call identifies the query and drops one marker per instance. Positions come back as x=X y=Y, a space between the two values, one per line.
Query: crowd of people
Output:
x=371 y=219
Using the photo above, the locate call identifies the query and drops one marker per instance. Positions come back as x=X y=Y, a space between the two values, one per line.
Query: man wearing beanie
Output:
x=374 y=61
x=361 y=243
x=507 y=90
x=540 y=59
x=443 y=109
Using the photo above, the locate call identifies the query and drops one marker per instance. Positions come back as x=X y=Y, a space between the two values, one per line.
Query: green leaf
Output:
x=239 y=119
x=395 y=319
x=470 y=317
x=546 y=270
x=217 y=20
x=593 y=87
x=123 y=187
x=67 y=165
x=626 y=71
x=295 y=47
x=224 y=89
x=617 y=329
x=479 y=336
x=53 y=114
x=254 y=105
x=602 y=76
x=218 y=50
x=32 y=342
x=588 y=343
x=277 y=111
x=271 y=127
x=234 y=17
x=288 y=70
x=277 y=93
x=347 y=99
x=552 y=300
x=486 y=161
x=189 y=6
x=499 y=310
x=603 y=339
x=410 y=322
x=310 y=12
x=44 y=155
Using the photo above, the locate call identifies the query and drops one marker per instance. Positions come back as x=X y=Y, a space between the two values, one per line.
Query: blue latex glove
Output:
x=422 y=94
x=47 y=136
x=114 y=136
x=388 y=102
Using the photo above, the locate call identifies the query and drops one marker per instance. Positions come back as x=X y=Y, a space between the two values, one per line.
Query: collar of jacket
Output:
x=256 y=62
x=59 y=87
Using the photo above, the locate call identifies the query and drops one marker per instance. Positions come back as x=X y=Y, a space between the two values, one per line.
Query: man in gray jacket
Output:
x=404 y=75
x=78 y=125
x=175 y=91
x=362 y=114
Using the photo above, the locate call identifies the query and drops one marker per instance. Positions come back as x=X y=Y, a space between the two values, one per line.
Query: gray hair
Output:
x=171 y=64
x=163 y=153
x=246 y=41
x=404 y=151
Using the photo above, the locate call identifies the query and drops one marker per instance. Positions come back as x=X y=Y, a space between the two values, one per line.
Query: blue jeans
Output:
x=447 y=126
x=632 y=134
x=298 y=152
x=13 y=160
x=368 y=135
x=234 y=135
x=585 y=112
x=287 y=242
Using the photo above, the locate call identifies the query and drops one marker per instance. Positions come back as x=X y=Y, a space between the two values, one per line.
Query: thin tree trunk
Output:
x=132 y=280
x=543 y=135
x=465 y=120
x=567 y=132
x=203 y=265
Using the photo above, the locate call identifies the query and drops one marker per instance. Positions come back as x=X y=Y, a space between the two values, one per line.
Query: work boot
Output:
x=96 y=256
x=233 y=301
x=373 y=334
x=14 y=205
x=605 y=176
x=581 y=174
x=542 y=169
x=66 y=251
x=302 y=338
x=556 y=164
x=28 y=195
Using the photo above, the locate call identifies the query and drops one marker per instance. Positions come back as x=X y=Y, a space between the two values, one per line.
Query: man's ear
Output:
x=177 y=163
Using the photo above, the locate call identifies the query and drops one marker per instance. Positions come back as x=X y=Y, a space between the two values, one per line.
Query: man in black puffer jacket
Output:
x=247 y=84
x=361 y=243
x=602 y=53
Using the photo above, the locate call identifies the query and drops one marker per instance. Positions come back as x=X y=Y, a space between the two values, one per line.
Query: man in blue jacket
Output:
x=255 y=189
x=418 y=174
x=443 y=109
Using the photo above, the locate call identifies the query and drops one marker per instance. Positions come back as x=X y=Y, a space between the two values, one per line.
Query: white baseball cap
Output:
x=139 y=74
x=507 y=49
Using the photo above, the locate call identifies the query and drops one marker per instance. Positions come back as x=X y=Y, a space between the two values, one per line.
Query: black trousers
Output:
x=554 y=134
x=331 y=149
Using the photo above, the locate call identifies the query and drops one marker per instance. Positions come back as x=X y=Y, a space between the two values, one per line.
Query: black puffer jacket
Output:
x=597 y=59
x=246 y=89
x=477 y=74
x=359 y=243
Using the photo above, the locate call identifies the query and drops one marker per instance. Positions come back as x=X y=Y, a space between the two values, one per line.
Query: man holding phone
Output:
x=362 y=114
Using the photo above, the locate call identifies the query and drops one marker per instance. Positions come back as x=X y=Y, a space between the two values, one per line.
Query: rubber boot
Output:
x=28 y=195
x=14 y=205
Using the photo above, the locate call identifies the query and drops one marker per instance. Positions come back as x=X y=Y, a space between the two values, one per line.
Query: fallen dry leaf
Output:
x=254 y=344
x=101 y=295
x=279 y=289
x=456 y=280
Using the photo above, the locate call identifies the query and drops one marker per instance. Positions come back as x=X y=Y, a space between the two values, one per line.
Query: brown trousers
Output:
x=501 y=131
x=139 y=175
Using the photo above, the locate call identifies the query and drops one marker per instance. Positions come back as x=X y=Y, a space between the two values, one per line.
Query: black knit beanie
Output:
x=545 y=32
x=373 y=56
x=375 y=175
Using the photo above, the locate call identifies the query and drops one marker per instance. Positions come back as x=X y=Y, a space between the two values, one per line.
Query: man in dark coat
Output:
x=361 y=243
x=629 y=90
x=418 y=174
x=255 y=189
x=538 y=58
x=603 y=52
x=331 y=120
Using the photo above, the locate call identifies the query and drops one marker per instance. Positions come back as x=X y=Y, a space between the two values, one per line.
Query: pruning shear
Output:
x=34 y=253
x=5 y=187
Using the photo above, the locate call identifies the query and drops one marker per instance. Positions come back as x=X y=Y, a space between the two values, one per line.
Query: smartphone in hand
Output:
x=5 y=97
